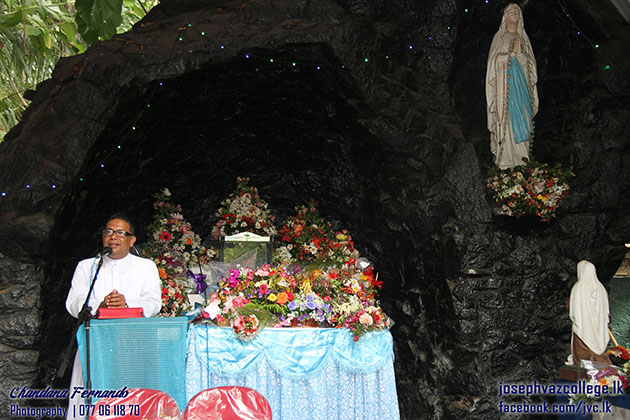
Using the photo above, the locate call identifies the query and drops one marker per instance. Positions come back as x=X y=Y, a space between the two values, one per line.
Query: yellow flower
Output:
x=272 y=297
x=341 y=237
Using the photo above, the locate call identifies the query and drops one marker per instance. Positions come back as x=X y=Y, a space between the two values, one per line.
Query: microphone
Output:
x=105 y=251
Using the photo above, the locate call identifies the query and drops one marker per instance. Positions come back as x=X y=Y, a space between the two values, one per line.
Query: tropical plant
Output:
x=35 y=34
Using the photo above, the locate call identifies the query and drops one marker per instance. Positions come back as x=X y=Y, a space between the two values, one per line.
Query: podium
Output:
x=138 y=353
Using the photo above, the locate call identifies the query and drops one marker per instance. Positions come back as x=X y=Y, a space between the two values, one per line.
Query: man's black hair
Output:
x=124 y=218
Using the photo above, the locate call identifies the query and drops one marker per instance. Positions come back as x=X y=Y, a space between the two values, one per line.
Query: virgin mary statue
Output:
x=511 y=94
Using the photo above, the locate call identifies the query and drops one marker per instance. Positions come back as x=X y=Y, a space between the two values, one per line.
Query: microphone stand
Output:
x=87 y=312
x=85 y=315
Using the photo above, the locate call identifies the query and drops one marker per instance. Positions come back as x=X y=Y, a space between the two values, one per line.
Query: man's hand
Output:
x=113 y=300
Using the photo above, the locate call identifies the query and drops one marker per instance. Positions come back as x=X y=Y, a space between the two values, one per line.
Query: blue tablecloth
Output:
x=138 y=353
x=304 y=373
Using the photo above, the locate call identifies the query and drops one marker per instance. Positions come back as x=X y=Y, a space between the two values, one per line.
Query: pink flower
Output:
x=240 y=301
x=238 y=322
x=264 y=288
x=366 y=319
x=263 y=270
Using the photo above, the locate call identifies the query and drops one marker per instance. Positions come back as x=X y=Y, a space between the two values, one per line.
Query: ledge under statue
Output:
x=511 y=94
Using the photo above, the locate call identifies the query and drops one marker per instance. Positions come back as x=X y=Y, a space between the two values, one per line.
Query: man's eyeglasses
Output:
x=117 y=233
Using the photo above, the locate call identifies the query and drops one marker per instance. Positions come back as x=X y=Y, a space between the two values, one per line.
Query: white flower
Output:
x=213 y=309
x=310 y=248
x=354 y=285
x=366 y=319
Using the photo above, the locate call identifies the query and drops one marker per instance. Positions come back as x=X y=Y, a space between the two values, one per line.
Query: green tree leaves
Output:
x=34 y=34
x=98 y=19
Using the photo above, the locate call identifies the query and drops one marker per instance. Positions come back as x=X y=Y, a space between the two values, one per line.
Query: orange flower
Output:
x=282 y=298
x=162 y=273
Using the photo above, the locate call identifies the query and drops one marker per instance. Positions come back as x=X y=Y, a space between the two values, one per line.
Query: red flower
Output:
x=166 y=236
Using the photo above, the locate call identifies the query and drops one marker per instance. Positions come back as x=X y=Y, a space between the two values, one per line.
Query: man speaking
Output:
x=124 y=280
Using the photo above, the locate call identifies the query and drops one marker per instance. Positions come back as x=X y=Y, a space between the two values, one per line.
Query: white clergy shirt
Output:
x=134 y=277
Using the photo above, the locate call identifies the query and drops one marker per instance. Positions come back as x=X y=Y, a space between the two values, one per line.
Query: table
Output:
x=304 y=373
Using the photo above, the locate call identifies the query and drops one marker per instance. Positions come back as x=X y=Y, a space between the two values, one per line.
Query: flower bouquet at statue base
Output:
x=534 y=189
x=600 y=375
x=619 y=355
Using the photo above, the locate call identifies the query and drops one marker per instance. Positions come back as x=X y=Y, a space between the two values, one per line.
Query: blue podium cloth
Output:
x=137 y=353
x=304 y=373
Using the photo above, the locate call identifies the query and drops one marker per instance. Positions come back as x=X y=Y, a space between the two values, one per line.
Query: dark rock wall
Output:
x=394 y=148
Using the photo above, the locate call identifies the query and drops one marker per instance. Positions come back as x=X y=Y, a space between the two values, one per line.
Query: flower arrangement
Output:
x=173 y=296
x=619 y=352
x=265 y=288
x=620 y=356
x=317 y=280
x=341 y=298
x=532 y=189
x=245 y=326
x=174 y=248
x=365 y=320
x=611 y=377
x=306 y=238
x=244 y=211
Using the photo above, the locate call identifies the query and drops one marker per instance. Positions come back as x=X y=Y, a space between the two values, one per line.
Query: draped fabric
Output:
x=303 y=373
x=137 y=353
x=519 y=103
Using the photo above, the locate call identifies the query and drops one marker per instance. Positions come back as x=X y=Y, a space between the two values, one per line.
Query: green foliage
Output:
x=34 y=34
x=98 y=19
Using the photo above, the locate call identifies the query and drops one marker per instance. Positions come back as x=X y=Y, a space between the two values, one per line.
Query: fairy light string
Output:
x=594 y=45
x=177 y=47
